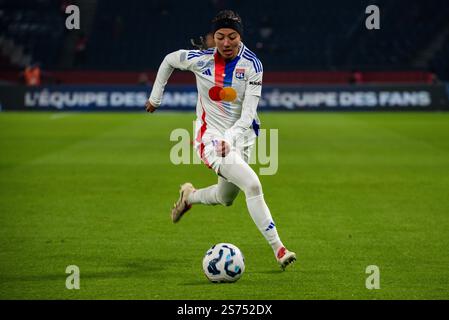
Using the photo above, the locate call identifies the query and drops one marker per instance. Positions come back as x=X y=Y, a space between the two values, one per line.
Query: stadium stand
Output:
x=307 y=35
x=36 y=26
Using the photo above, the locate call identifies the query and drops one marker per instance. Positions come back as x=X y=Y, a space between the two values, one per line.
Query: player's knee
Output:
x=254 y=188
x=227 y=200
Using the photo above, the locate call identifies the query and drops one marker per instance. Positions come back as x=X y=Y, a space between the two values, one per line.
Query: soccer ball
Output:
x=223 y=262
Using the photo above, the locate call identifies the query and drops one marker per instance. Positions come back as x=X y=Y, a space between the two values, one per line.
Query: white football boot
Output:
x=182 y=205
x=285 y=257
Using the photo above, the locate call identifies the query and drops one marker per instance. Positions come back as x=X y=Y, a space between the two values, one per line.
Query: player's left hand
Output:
x=222 y=148
x=149 y=107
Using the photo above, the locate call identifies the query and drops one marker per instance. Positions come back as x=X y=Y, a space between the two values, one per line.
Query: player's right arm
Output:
x=174 y=60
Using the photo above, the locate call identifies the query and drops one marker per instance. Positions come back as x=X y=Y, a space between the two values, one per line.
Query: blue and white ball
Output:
x=224 y=262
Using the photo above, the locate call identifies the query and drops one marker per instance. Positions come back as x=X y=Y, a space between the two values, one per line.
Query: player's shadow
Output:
x=135 y=268
x=206 y=282
x=267 y=272
x=197 y=283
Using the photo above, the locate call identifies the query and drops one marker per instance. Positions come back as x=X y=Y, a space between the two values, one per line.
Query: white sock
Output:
x=261 y=215
x=205 y=196
x=237 y=171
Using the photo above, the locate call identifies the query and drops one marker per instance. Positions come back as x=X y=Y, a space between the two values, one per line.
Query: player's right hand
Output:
x=149 y=107
x=222 y=148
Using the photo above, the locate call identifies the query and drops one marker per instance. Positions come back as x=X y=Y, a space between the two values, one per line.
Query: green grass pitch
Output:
x=95 y=190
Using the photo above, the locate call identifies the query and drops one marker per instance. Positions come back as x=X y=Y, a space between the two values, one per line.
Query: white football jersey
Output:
x=243 y=74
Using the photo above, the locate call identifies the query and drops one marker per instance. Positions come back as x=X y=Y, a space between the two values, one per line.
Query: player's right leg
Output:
x=182 y=205
x=223 y=193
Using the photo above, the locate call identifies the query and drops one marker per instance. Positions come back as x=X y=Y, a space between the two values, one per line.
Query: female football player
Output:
x=229 y=83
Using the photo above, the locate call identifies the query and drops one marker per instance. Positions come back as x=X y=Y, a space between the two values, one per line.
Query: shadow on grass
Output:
x=198 y=283
x=136 y=268
x=267 y=272
x=207 y=282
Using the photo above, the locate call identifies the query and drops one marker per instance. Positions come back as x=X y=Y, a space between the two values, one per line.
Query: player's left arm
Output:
x=253 y=92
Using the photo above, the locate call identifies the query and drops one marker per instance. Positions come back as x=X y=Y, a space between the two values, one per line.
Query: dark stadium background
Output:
x=305 y=42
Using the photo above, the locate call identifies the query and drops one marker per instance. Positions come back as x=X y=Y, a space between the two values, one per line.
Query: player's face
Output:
x=227 y=42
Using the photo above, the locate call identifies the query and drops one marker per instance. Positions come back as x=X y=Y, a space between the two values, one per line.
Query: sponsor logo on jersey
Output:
x=256 y=83
x=200 y=63
x=240 y=73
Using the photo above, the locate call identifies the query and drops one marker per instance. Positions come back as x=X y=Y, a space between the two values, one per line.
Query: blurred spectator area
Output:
x=297 y=35
x=34 y=31
x=308 y=35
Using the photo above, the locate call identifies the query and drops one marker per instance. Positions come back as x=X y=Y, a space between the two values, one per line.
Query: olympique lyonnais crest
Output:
x=240 y=73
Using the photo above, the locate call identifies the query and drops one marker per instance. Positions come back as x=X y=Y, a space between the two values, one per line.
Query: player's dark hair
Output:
x=198 y=43
x=227 y=19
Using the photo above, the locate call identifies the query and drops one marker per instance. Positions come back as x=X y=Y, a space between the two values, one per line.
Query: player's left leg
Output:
x=237 y=171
